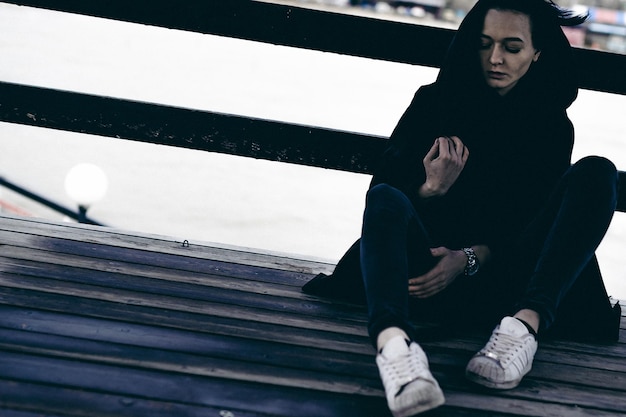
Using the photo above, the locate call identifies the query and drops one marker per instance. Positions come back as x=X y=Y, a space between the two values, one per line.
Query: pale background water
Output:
x=200 y=196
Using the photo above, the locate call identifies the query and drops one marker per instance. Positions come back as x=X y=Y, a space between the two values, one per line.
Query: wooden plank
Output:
x=299 y=374
x=338 y=314
x=118 y=267
x=211 y=367
x=519 y=407
x=182 y=388
x=550 y=392
x=234 y=347
x=171 y=303
x=318 y=30
x=234 y=291
x=149 y=264
x=202 y=287
x=280 y=25
x=185 y=320
x=261 y=299
x=54 y=401
x=116 y=238
x=469 y=352
x=83 y=321
x=524 y=391
x=227 y=352
x=597 y=369
x=97 y=404
x=186 y=128
x=343 y=311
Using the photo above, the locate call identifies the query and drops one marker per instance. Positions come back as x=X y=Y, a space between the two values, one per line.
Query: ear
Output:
x=536 y=57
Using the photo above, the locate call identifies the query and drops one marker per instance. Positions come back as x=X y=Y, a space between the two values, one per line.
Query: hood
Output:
x=551 y=81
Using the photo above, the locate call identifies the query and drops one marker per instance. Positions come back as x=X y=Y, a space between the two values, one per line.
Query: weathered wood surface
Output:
x=98 y=322
x=187 y=128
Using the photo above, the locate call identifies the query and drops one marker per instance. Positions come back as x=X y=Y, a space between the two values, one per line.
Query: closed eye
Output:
x=513 y=47
x=485 y=42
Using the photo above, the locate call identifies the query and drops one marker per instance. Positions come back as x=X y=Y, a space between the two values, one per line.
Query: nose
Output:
x=496 y=57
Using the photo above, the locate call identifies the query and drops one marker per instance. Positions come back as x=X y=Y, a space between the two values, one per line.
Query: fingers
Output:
x=438 y=251
x=456 y=146
x=427 y=284
x=443 y=164
x=461 y=149
x=445 y=146
x=424 y=287
x=438 y=278
x=449 y=148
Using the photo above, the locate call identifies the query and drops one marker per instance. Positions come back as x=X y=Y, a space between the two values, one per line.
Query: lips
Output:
x=496 y=75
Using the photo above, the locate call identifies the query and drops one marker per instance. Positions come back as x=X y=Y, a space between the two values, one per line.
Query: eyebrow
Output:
x=509 y=39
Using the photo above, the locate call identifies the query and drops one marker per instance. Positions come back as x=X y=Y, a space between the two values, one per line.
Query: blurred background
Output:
x=605 y=29
x=206 y=197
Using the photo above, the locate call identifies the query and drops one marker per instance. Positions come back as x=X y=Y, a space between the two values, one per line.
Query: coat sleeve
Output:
x=401 y=164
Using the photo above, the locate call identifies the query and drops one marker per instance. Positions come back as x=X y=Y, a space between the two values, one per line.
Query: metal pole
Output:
x=80 y=216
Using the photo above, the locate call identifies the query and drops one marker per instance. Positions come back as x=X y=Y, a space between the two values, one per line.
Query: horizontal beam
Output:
x=272 y=23
x=185 y=128
x=317 y=30
x=194 y=129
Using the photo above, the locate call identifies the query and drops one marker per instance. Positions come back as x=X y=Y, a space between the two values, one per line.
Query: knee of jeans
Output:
x=382 y=193
x=595 y=166
x=383 y=198
x=597 y=172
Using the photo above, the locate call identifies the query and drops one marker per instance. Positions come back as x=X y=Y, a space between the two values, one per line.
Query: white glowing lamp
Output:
x=86 y=184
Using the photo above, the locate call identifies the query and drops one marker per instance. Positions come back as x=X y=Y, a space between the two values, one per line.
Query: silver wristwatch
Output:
x=472 y=265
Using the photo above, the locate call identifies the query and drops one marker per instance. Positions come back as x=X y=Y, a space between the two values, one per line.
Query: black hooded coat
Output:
x=520 y=145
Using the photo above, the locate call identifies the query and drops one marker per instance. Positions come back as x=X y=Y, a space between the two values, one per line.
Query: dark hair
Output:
x=544 y=15
x=552 y=77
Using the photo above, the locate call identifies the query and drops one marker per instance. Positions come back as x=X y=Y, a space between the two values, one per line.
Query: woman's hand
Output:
x=451 y=264
x=443 y=164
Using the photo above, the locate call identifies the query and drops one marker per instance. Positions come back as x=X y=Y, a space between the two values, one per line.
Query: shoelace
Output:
x=502 y=347
x=403 y=370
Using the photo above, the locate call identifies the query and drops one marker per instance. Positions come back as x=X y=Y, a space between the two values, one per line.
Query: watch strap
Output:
x=472 y=265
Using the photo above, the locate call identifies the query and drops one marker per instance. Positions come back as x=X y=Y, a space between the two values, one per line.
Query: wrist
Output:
x=472 y=265
x=426 y=191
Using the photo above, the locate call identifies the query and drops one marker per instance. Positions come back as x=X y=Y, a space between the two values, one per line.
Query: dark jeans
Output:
x=553 y=252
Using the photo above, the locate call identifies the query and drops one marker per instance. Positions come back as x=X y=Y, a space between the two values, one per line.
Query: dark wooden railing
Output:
x=244 y=136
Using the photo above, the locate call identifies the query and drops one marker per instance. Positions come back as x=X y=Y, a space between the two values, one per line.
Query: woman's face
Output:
x=506 y=49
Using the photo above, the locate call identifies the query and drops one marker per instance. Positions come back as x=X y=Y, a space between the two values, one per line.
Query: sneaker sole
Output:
x=420 y=408
x=480 y=380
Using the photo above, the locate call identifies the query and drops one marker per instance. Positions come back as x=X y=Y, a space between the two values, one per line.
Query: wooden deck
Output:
x=98 y=322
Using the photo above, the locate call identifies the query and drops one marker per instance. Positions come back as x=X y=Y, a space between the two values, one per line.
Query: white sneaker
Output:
x=409 y=386
x=506 y=358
